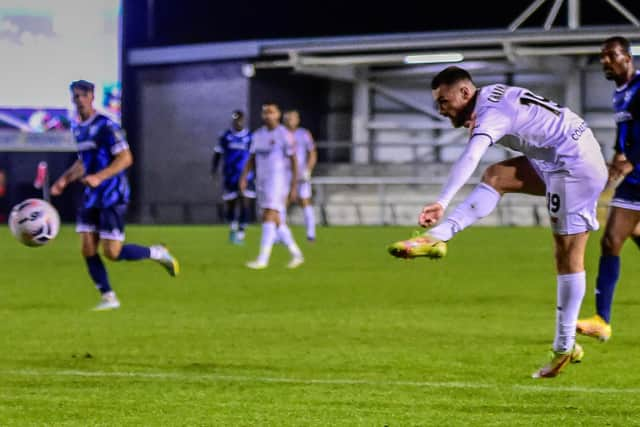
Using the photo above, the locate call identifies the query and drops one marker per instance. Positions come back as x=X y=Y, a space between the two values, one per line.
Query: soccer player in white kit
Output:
x=272 y=156
x=562 y=161
x=307 y=156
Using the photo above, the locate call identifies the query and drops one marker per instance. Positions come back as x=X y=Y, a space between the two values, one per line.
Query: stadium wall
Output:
x=181 y=111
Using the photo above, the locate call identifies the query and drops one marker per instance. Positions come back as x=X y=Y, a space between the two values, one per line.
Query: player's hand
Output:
x=57 y=188
x=92 y=180
x=619 y=168
x=430 y=214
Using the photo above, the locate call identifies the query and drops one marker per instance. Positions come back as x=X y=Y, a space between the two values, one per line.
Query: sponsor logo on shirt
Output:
x=577 y=133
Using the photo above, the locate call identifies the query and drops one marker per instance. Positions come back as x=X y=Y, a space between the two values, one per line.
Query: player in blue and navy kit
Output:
x=624 y=214
x=103 y=157
x=233 y=148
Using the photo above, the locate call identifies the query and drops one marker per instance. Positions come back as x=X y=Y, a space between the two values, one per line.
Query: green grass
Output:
x=352 y=338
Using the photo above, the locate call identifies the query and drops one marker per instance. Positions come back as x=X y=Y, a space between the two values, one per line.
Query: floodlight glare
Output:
x=433 y=58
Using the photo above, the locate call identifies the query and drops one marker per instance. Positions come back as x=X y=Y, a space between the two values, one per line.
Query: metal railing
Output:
x=388 y=196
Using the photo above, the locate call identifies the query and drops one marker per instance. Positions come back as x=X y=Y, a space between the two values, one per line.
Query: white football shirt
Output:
x=273 y=150
x=545 y=132
x=304 y=144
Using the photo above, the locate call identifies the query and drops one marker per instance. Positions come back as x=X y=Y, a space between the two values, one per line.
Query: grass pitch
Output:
x=352 y=338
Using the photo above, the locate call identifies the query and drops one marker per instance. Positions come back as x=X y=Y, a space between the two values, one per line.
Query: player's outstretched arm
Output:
x=460 y=173
x=75 y=171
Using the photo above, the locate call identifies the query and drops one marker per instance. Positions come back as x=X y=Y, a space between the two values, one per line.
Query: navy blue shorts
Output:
x=627 y=196
x=107 y=222
x=231 y=189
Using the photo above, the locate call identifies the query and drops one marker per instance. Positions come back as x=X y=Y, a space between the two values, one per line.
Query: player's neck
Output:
x=471 y=106
x=85 y=116
x=271 y=127
x=631 y=73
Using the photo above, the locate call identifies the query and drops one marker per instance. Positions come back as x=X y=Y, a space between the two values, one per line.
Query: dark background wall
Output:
x=181 y=111
x=20 y=169
x=308 y=95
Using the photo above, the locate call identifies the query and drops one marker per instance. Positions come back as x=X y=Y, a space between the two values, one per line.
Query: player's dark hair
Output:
x=83 y=85
x=275 y=104
x=449 y=76
x=623 y=42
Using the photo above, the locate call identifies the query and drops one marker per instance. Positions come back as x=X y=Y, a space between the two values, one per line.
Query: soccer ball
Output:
x=34 y=222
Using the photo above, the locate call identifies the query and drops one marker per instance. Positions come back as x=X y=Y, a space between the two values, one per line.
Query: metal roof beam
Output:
x=525 y=15
x=624 y=12
x=455 y=40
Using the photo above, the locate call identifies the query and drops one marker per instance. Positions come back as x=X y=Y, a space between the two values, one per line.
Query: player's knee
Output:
x=88 y=251
x=610 y=244
x=491 y=177
x=112 y=253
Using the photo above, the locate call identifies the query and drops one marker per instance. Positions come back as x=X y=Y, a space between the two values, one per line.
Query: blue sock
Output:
x=132 y=252
x=98 y=273
x=608 y=274
x=230 y=214
x=244 y=217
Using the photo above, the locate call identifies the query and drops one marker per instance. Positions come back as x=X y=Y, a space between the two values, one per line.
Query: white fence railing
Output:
x=398 y=200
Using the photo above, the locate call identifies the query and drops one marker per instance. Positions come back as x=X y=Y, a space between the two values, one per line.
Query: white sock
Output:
x=109 y=296
x=478 y=204
x=156 y=252
x=310 y=221
x=571 y=289
x=266 y=241
x=284 y=232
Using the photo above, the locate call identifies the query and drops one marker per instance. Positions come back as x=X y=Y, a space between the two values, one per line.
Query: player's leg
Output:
x=286 y=237
x=245 y=202
x=621 y=224
x=635 y=236
x=304 y=194
x=516 y=175
x=572 y=200
x=231 y=218
x=229 y=197
x=112 y=235
x=87 y=224
x=98 y=272
x=270 y=221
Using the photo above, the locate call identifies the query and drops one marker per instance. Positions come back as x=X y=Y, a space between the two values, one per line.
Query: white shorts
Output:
x=572 y=195
x=272 y=196
x=304 y=189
